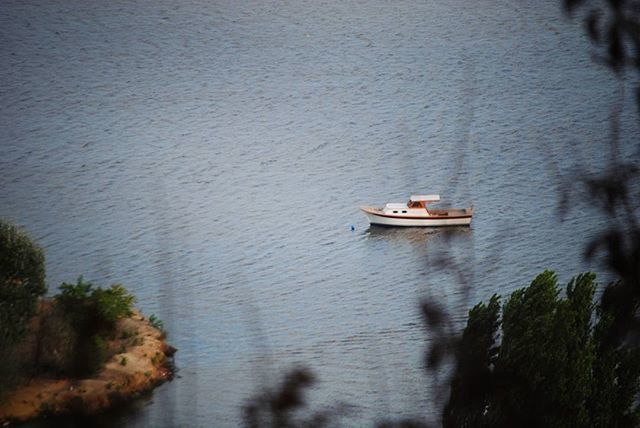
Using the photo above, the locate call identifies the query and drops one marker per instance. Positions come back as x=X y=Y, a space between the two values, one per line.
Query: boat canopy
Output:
x=425 y=198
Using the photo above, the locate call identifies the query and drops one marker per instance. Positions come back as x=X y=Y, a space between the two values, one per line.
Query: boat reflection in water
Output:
x=415 y=235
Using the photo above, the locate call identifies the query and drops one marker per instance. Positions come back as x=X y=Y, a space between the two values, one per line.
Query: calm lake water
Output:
x=211 y=156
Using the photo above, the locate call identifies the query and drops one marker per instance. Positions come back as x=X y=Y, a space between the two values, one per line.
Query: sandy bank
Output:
x=144 y=363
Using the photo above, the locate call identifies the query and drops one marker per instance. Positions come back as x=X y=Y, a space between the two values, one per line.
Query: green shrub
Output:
x=113 y=303
x=157 y=323
x=92 y=312
x=77 y=293
x=105 y=306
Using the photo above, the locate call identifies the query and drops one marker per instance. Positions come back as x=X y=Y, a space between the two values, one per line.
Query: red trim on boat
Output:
x=444 y=217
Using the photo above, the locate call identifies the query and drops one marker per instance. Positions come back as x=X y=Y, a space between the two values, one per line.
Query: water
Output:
x=211 y=156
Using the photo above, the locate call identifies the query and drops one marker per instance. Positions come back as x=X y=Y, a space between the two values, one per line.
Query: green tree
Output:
x=471 y=384
x=553 y=367
x=616 y=371
x=21 y=283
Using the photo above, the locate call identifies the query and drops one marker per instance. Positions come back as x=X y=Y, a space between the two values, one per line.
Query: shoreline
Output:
x=145 y=364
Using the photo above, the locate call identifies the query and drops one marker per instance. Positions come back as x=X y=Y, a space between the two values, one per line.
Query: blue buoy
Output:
x=353 y=228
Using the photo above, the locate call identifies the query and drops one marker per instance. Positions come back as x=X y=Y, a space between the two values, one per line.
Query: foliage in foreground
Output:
x=286 y=405
x=553 y=367
x=540 y=360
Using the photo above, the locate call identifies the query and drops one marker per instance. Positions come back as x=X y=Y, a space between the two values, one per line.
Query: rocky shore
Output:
x=145 y=361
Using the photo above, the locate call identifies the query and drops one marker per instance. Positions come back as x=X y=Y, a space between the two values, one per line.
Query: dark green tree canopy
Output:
x=552 y=367
x=21 y=281
x=21 y=260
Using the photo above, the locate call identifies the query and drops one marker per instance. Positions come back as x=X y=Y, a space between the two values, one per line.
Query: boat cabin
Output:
x=416 y=202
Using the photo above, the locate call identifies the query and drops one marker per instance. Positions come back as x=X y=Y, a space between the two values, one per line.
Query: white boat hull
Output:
x=376 y=216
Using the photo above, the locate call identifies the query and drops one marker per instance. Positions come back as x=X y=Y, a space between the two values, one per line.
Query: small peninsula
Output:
x=81 y=351
x=144 y=363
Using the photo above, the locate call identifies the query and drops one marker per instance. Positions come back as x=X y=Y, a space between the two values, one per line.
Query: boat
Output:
x=417 y=213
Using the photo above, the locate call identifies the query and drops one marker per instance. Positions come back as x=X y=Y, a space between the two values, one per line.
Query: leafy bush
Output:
x=113 y=303
x=108 y=305
x=157 y=323
x=103 y=306
x=92 y=313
